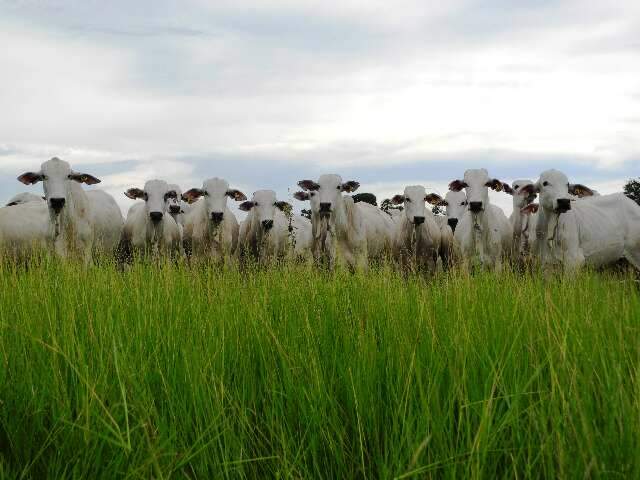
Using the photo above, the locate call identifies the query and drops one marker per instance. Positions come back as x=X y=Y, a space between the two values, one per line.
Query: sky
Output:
x=266 y=93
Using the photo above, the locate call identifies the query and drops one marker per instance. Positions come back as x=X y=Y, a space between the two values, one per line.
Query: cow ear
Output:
x=283 y=206
x=507 y=188
x=237 y=195
x=494 y=184
x=350 y=186
x=302 y=196
x=457 y=185
x=84 y=178
x=308 y=185
x=192 y=195
x=580 y=190
x=529 y=209
x=529 y=189
x=433 y=199
x=29 y=178
x=397 y=199
x=134 y=193
x=246 y=206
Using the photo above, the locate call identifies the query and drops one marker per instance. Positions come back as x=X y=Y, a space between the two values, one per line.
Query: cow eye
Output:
x=545 y=184
x=407 y=200
x=463 y=203
x=339 y=187
x=255 y=204
x=311 y=194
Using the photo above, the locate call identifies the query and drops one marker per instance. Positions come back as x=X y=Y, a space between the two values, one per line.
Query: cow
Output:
x=210 y=228
x=271 y=231
x=178 y=207
x=338 y=227
x=80 y=221
x=455 y=204
x=149 y=229
x=484 y=231
x=22 y=198
x=24 y=229
x=596 y=231
x=522 y=220
x=417 y=236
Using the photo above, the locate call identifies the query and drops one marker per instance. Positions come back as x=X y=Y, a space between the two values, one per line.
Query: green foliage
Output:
x=632 y=190
x=198 y=372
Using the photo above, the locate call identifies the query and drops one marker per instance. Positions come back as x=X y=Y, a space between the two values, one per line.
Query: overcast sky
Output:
x=265 y=93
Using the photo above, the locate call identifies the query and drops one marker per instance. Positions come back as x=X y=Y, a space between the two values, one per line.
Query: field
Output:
x=171 y=372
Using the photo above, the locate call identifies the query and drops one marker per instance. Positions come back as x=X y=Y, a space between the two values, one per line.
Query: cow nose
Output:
x=57 y=204
x=216 y=217
x=418 y=220
x=174 y=209
x=453 y=222
x=475 y=207
x=267 y=224
x=155 y=216
x=325 y=207
x=564 y=205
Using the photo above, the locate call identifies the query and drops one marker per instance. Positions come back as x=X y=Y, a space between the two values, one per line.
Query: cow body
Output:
x=24 y=228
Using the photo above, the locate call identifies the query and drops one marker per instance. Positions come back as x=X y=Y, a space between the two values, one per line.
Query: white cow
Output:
x=523 y=220
x=22 y=198
x=456 y=205
x=149 y=228
x=484 y=231
x=596 y=231
x=79 y=220
x=178 y=207
x=24 y=228
x=210 y=228
x=338 y=227
x=270 y=231
x=417 y=236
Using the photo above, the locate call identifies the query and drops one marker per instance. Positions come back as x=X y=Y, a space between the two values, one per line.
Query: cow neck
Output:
x=65 y=224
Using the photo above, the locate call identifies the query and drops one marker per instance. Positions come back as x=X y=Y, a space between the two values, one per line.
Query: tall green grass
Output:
x=172 y=372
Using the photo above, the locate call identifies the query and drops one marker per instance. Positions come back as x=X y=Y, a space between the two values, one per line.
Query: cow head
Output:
x=476 y=183
x=215 y=191
x=174 y=204
x=56 y=177
x=523 y=192
x=455 y=203
x=263 y=204
x=414 y=199
x=329 y=190
x=157 y=196
x=553 y=187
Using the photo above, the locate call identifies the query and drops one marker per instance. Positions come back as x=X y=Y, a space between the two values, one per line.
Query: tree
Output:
x=365 y=197
x=632 y=190
x=387 y=205
x=438 y=210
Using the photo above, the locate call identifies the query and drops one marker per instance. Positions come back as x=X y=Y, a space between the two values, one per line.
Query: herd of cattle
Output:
x=571 y=225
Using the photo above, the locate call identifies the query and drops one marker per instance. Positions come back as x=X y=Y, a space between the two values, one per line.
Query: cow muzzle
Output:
x=217 y=217
x=325 y=207
x=564 y=205
x=174 y=209
x=418 y=220
x=475 y=207
x=156 y=217
x=453 y=223
x=57 y=204
x=267 y=225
